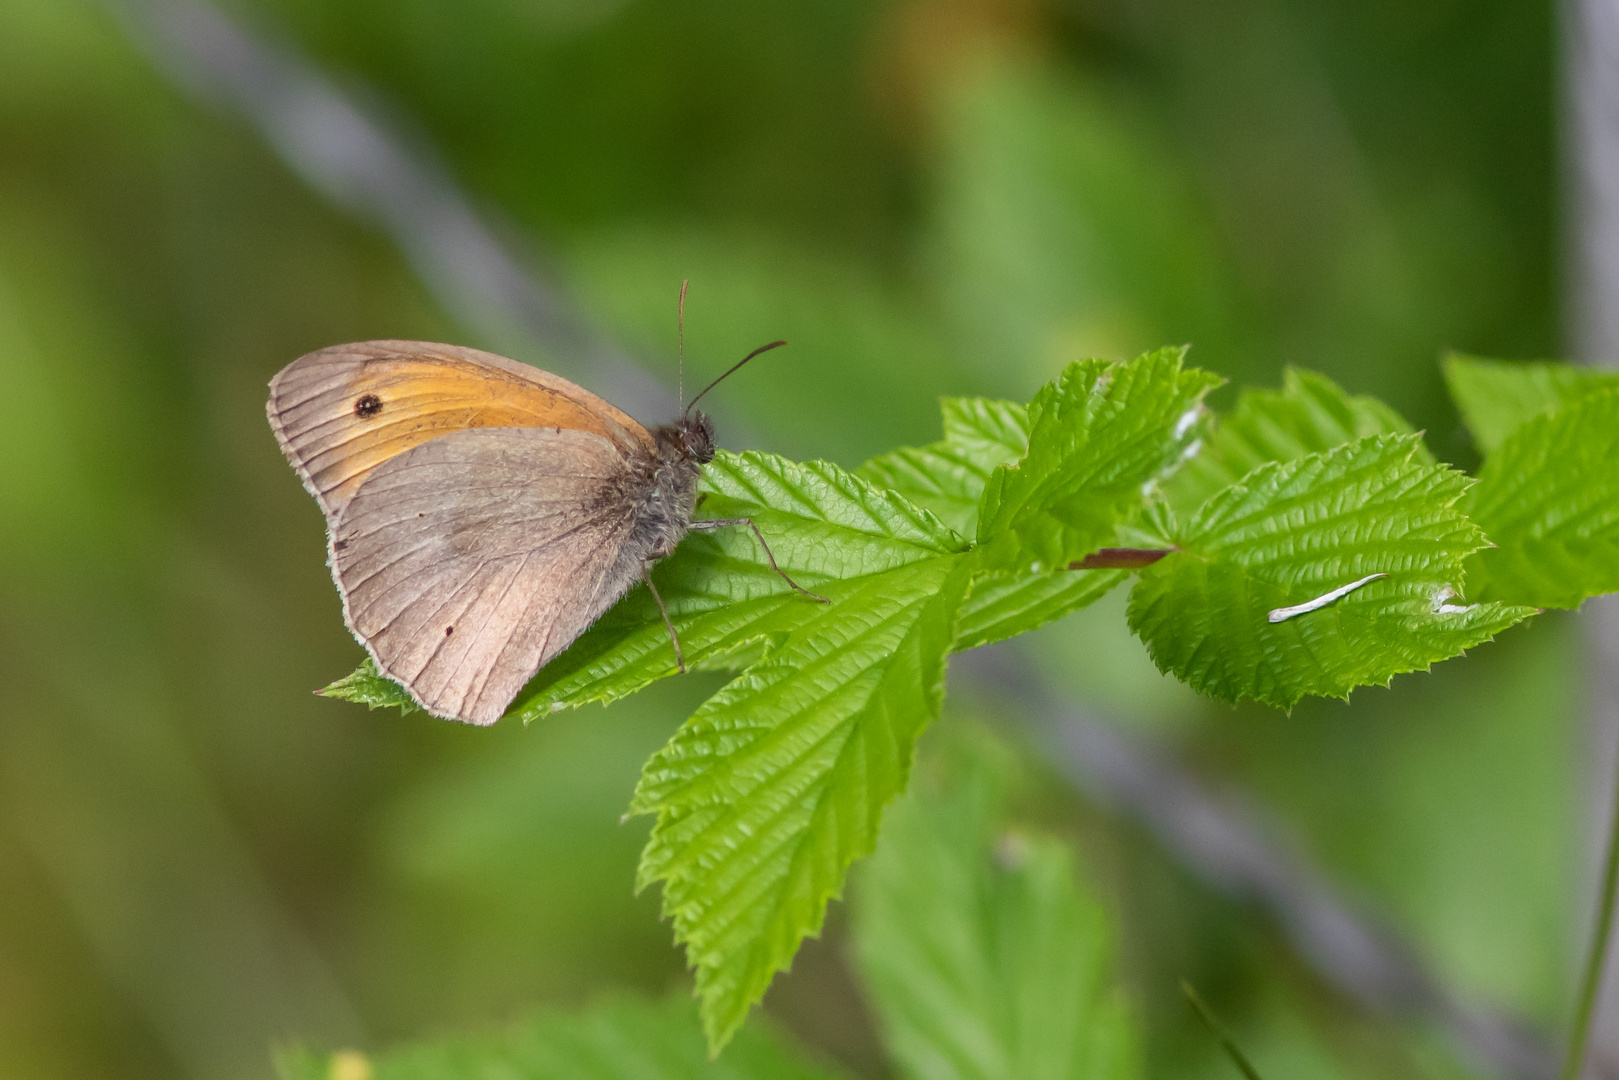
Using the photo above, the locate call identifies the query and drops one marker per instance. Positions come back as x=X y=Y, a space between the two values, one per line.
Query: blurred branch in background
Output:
x=1591 y=47
x=364 y=165
x=343 y=151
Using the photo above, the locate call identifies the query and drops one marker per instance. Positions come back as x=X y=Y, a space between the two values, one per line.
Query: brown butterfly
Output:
x=482 y=513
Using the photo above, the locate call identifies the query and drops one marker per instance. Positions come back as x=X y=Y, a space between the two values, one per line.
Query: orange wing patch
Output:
x=340 y=412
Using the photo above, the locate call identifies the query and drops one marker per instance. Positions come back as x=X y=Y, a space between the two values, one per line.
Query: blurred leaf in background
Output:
x=985 y=958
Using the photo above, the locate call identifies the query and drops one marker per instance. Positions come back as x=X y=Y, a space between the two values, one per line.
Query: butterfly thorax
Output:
x=670 y=491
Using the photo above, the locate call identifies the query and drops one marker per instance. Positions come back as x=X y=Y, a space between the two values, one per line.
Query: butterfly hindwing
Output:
x=470 y=560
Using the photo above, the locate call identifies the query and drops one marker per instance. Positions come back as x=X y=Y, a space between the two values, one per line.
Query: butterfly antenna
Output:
x=680 y=338
x=730 y=370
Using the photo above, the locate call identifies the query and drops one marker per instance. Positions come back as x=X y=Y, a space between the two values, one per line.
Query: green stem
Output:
x=1591 y=984
x=1204 y=1013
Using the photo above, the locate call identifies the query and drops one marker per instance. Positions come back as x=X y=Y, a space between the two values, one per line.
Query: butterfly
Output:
x=482 y=513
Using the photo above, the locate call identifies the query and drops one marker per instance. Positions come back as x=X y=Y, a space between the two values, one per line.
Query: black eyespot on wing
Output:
x=367 y=406
x=448 y=630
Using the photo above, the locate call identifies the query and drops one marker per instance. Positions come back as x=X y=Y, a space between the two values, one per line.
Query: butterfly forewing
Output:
x=470 y=560
x=340 y=412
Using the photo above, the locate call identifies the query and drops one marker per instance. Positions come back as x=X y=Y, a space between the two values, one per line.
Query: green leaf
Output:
x=984 y=958
x=1308 y=415
x=1496 y=397
x=369 y=687
x=777 y=783
x=1292 y=532
x=1548 y=497
x=989 y=431
x=1003 y=605
x=948 y=477
x=1100 y=440
x=619 y=1040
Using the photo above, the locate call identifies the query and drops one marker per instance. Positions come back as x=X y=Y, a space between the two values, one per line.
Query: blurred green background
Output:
x=199 y=858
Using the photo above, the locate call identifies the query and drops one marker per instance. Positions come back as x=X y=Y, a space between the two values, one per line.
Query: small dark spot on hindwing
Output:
x=367 y=405
x=448 y=630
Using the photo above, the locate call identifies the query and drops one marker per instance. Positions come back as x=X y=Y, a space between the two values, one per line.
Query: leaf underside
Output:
x=367 y=686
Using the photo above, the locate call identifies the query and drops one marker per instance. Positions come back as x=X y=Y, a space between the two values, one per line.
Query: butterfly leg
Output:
x=674 y=638
x=721 y=523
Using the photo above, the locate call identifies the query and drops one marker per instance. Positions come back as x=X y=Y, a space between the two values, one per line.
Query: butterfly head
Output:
x=694 y=436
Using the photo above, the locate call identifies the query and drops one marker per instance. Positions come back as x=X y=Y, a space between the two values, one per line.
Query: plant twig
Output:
x=1218 y=1030
x=1590 y=41
x=1591 y=983
x=1120 y=559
